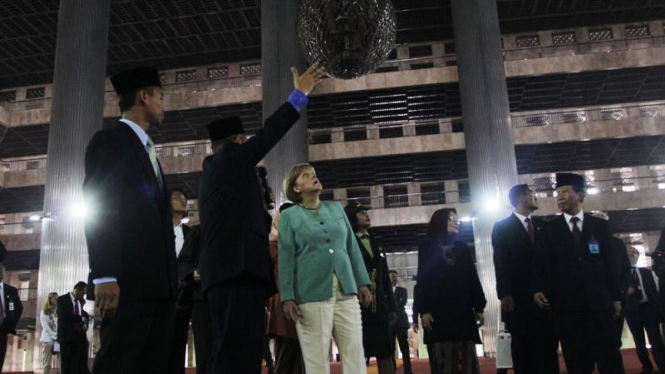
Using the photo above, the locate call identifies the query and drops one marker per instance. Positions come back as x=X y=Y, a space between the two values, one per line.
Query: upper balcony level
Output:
x=532 y=54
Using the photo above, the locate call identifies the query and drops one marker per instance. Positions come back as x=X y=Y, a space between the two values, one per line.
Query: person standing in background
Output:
x=49 y=321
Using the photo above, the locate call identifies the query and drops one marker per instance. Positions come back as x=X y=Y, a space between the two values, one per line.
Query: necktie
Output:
x=153 y=160
x=77 y=311
x=577 y=234
x=529 y=228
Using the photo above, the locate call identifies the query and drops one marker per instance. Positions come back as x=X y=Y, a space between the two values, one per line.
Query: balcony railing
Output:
x=519 y=120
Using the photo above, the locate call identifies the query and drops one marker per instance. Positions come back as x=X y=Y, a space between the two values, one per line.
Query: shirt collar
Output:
x=579 y=215
x=143 y=137
x=521 y=217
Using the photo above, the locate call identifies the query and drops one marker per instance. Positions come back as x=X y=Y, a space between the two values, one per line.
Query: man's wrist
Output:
x=298 y=100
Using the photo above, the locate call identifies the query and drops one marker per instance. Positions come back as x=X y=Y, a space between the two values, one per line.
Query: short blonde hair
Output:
x=46 y=308
x=290 y=181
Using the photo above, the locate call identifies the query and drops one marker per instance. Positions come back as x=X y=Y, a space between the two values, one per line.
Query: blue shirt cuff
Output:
x=104 y=280
x=298 y=99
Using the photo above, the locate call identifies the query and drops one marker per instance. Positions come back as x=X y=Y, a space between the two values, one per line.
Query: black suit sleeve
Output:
x=500 y=263
x=275 y=127
x=612 y=263
x=388 y=286
x=103 y=189
x=401 y=297
x=540 y=268
x=188 y=261
x=477 y=293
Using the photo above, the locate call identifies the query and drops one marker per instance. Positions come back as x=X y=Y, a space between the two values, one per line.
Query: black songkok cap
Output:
x=223 y=128
x=134 y=79
x=569 y=179
x=355 y=207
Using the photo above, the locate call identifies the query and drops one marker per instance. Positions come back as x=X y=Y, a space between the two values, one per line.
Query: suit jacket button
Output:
x=327 y=240
x=330 y=250
x=321 y=222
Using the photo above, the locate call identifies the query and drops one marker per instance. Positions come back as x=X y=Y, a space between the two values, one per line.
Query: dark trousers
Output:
x=199 y=313
x=203 y=335
x=288 y=356
x=74 y=356
x=535 y=347
x=238 y=307
x=3 y=346
x=401 y=335
x=617 y=360
x=180 y=337
x=647 y=318
x=135 y=340
x=588 y=338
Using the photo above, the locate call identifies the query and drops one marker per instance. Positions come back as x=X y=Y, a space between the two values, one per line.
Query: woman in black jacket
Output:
x=450 y=297
x=377 y=317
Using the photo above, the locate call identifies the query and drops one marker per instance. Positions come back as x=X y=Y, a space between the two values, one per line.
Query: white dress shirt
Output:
x=138 y=130
x=2 y=298
x=74 y=302
x=179 y=239
x=580 y=223
x=143 y=137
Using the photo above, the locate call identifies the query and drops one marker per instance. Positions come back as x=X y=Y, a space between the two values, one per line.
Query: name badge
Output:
x=594 y=249
x=11 y=306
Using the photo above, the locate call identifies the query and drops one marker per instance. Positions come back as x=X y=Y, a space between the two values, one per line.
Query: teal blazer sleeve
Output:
x=286 y=245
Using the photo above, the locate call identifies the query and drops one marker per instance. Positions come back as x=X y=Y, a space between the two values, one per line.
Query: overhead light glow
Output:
x=35 y=218
x=466 y=219
x=592 y=191
x=492 y=205
x=79 y=210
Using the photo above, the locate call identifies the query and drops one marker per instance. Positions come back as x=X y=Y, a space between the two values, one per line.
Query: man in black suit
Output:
x=534 y=343
x=644 y=313
x=72 y=328
x=10 y=312
x=183 y=314
x=130 y=233
x=236 y=272
x=191 y=298
x=578 y=277
x=400 y=328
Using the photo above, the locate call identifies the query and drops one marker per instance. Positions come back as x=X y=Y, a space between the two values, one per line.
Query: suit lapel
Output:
x=564 y=230
x=142 y=155
x=587 y=231
x=363 y=250
x=520 y=231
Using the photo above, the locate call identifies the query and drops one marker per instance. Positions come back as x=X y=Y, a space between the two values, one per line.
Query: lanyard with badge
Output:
x=594 y=248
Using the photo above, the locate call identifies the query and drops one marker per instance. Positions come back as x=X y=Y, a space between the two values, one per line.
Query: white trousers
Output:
x=338 y=317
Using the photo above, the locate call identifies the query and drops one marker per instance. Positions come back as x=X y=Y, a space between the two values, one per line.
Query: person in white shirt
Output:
x=49 y=321
x=643 y=313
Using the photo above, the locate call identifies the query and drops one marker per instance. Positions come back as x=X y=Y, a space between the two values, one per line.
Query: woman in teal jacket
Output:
x=322 y=275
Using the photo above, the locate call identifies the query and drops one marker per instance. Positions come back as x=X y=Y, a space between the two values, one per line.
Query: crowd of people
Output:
x=316 y=271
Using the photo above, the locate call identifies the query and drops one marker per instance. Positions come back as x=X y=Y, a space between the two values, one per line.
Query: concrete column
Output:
x=452 y=192
x=644 y=179
x=376 y=192
x=76 y=114
x=415 y=199
x=488 y=133
x=279 y=52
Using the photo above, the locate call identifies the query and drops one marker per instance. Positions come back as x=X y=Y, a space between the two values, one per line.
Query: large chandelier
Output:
x=350 y=38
